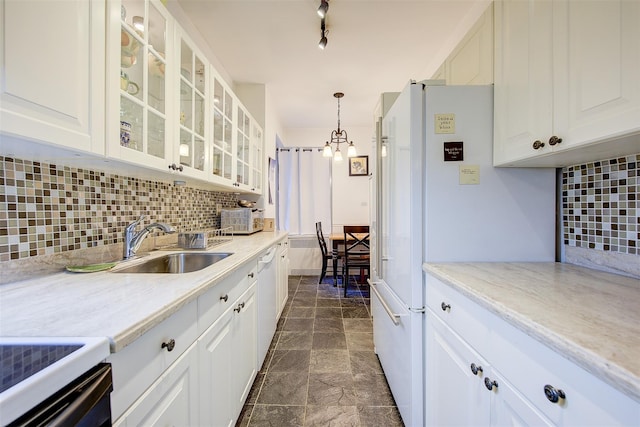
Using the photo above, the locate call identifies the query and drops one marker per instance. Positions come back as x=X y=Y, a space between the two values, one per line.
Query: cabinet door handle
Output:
x=250 y=275
x=490 y=384
x=444 y=306
x=476 y=368
x=174 y=167
x=538 y=144
x=554 y=140
x=224 y=297
x=169 y=345
x=553 y=394
x=239 y=307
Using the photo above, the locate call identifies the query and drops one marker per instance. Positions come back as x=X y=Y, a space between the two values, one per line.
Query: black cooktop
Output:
x=20 y=361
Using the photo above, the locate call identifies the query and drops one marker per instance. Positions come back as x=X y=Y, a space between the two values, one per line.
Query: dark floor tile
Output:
x=357 y=325
x=364 y=362
x=355 y=312
x=331 y=389
x=298 y=325
x=330 y=361
x=302 y=312
x=290 y=361
x=328 y=324
x=303 y=302
x=352 y=302
x=255 y=389
x=292 y=340
x=328 y=292
x=311 y=293
x=281 y=416
x=309 y=279
x=359 y=341
x=245 y=415
x=284 y=388
x=334 y=416
x=327 y=302
x=329 y=340
x=326 y=312
x=372 y=390
x=376 y=416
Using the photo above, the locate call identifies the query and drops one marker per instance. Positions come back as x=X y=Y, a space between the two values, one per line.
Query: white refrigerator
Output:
x=439 y=199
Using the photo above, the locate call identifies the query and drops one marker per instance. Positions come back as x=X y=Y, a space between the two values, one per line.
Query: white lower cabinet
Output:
x=283 y=275
x=507 y=377
x=227 y=355
x=171 y=400
x=196 y=367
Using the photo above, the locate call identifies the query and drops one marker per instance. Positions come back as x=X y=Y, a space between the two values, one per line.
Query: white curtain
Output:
x=304 y=196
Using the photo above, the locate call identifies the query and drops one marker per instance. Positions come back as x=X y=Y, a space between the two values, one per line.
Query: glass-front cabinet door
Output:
x=193 y=90
x=256 y=159
x=143 y=58
x=222 y=146
x=243 y=144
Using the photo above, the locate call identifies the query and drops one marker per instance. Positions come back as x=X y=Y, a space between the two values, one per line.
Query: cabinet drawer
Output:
x=530 y=366
x=141 y=363
x=216 y=300
x=459 y=313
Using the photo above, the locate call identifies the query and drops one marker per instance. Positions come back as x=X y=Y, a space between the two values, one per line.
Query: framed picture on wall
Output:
x=359 y=166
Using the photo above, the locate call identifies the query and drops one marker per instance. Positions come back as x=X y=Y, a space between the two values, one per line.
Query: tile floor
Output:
x=321 y=369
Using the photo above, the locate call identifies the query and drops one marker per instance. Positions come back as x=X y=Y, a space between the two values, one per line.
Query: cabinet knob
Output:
x=554 y=140
x=553 y=394
x=444 y=306
x=239 y=307
x=224 y=297
x=490 y=384
x=538 y=144
x=173 y=166
x=250 y=275
x=476 y=368
x=169 y=345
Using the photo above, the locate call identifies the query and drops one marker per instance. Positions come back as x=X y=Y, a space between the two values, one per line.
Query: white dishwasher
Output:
x=267 y=304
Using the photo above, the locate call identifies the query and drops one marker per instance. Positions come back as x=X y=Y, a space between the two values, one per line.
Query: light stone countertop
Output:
x=590 y=317
x=119 y=306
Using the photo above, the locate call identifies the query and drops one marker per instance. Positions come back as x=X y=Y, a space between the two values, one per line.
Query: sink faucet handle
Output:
x=135 y=223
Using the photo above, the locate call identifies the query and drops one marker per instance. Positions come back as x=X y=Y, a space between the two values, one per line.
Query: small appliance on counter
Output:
x=242 y=220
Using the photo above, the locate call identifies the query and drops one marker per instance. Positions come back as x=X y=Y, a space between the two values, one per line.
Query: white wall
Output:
x=350 y=197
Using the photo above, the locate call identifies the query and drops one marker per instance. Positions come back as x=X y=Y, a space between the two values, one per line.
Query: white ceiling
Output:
x=374 y=46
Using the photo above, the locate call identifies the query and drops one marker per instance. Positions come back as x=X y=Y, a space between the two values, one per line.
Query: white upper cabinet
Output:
x=52 y=73
x=140 y=63
x=257 y=159
x=222 y=145
x=566 y=81
x=192 y=133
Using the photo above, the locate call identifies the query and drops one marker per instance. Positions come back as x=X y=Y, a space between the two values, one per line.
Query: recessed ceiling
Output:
x=373 y=47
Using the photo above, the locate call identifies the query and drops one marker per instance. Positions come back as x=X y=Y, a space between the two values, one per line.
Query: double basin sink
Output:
x=176 y=263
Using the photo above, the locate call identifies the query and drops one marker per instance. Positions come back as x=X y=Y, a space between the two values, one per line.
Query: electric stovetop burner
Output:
x=20 y=361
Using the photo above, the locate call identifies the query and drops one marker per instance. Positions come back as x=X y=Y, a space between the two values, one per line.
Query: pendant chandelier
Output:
x=338 y=137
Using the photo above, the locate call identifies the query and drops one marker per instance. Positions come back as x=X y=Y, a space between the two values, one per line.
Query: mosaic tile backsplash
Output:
x=600 y=205
x=47 y=209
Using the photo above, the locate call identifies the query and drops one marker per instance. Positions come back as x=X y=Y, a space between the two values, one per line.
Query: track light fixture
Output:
x=338 y=137
x=324 y=7
x=323 y=35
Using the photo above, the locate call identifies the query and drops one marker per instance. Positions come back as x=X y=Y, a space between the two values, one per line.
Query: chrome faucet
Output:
x=133 y=240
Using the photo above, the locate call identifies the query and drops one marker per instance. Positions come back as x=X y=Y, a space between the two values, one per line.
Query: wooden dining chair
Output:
x=356 y=251
x=327 y=255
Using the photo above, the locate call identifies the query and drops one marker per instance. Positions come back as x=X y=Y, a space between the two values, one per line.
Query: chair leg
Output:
x=335 y=271
x=345 y=277
x=324 y=269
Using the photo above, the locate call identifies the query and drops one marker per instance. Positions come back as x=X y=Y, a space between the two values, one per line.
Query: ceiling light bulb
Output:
x=351 y=150
x=323 y=42
x=138 y=23
x=338 y=156
x=326 y=151
x=324 y=7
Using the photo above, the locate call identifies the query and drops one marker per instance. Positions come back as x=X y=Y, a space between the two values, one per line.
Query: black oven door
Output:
x=83 y=402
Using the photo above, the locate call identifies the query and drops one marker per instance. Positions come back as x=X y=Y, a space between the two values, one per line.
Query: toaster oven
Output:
x=242 y=220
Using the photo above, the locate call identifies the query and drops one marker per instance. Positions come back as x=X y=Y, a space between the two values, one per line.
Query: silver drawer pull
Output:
x=445 y=306
x=169 y=345
x=239 y=307
x=476 y=368
x=224 y=297
x=395 y=317
x=490 y=384
x=553 y=394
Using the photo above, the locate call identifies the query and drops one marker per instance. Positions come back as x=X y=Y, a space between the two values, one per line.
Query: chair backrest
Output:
x=321 y=241
x=356 y=239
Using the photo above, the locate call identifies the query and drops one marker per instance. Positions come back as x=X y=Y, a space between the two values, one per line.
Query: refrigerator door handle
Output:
x=395 y=317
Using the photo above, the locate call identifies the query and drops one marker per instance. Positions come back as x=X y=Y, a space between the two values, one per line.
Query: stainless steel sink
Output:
x=178 y=263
